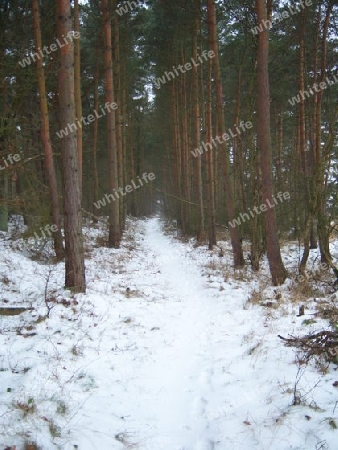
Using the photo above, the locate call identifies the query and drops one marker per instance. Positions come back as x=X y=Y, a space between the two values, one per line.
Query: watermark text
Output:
x=108 y=198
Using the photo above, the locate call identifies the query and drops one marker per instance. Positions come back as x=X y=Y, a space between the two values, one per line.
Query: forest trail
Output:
x=181 y=375
x=180 y=384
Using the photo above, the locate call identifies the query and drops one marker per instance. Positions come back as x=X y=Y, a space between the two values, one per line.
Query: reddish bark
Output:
x=277 y=269
x=74 y=257
x=45 y=137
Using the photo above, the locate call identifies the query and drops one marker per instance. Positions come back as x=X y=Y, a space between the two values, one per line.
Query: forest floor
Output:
x=170 y=349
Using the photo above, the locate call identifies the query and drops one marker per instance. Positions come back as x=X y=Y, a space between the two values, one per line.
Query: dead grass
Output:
x=54 y=429
x=242 y=274
x=27 y=408
x=213 y=265
x=121 y=259
x=101 y=241
x=256 y=297
x=301 y=291
x=314 y=285
x=30 y=446
x=328 y=309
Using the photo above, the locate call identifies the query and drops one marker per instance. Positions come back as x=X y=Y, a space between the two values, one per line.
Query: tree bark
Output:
x=77 y=80
x=74 y=256
x=185 y=207
x=3 y=139
x=196 y=135
x=114 y=215
x=277 y=269
x=118 y=95
x=302 y=144
x=234 y=232
x=96 y=126
x=45 y=137
x=322 y=220
x=210 y=164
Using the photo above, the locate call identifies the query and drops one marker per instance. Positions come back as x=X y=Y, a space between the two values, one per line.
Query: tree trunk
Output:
x=176 y=139
x=4 y=203
x=277 y=269
x=186 y=216
x=210 y=164
x=125 y=108
x=4 y=178
x=313 y=139
x=75 y=270
x=96 y=126
x=45 y=137
x=114 y=216
x=322 y=220
x=77 y=80
x=234 y=232
x=302 y=149
x=118 y=95
x=196 y=135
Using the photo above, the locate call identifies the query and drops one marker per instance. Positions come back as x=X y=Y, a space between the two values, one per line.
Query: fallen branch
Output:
x=323 y=342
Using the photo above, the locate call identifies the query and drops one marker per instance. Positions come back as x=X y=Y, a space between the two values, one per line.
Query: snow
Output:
x=166 y=351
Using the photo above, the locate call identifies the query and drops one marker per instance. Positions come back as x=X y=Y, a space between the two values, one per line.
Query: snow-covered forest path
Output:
x=188 y=373
x=180 y=374
x=196 y=351
x=201 y=360
x=164 y=352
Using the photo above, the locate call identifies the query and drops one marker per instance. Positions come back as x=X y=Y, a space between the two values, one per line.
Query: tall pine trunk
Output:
x=210 y=164
x=118 y=116
x=74 y=256
x=302 y=149
x=186 y=222
x=3 y=138
x=196 y=135
x=114 y=213
x=96 y=124
x=45 y=136
x=322 y=219
x=277 y=269
x=234 y=231
x=77 y=80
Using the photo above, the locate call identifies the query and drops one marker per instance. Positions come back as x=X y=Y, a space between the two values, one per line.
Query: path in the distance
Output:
x=182 y=370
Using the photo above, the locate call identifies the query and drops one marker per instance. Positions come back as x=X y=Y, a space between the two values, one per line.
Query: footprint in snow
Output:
x=199 y=406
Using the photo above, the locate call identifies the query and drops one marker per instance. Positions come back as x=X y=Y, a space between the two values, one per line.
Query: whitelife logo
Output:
x=279 y=17
x=129 y=6
x=71 y=35
x=243 y=217
x=73 y=127
x=46 y=233
x=10 y=160
x=220 y=139
x=108 y=198
x=187 y=66
x=317 y=87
